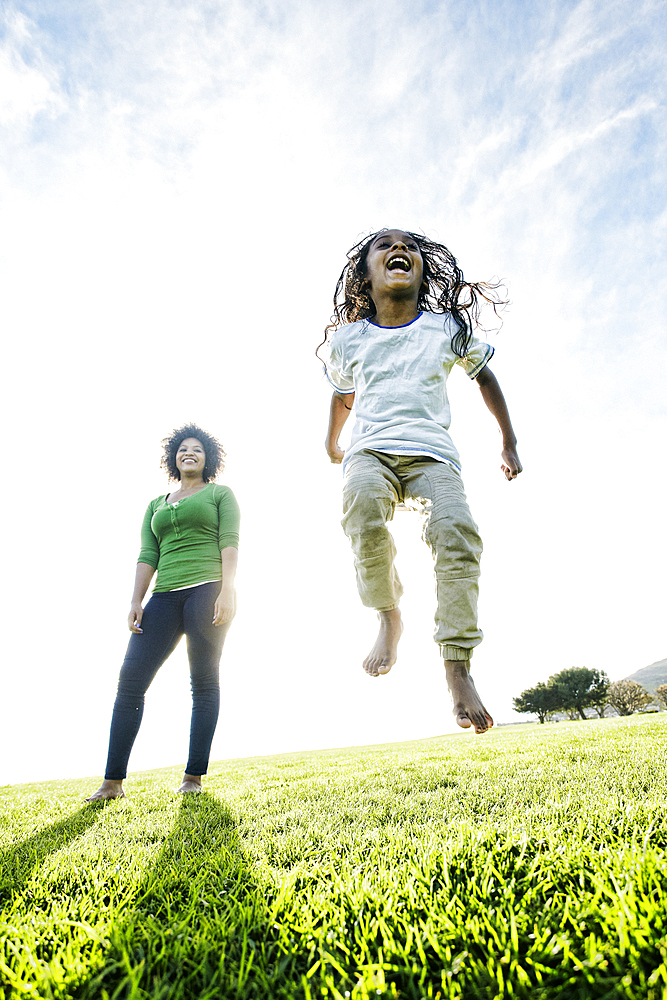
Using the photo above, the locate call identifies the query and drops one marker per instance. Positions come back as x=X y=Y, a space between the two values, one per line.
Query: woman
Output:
x=191 y=538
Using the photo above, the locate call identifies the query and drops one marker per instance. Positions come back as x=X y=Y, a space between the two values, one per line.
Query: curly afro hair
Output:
x=212 y=449
x=444 y=290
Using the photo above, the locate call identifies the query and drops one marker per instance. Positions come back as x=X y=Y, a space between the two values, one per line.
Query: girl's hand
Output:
x=341 y=406
x=511 y=466
x=335 y=453
x=225 y=606
x=135 y=616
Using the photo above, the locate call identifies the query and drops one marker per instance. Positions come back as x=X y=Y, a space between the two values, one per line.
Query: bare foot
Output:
x=108 y=790
x=382 y=656
x=468 y=707
x=190 y=783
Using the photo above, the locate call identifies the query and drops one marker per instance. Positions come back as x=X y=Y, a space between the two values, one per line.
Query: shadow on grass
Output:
x=194 y=921
x=18 y=861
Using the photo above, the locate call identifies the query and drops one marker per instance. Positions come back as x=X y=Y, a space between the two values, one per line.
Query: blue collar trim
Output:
x=399 y=327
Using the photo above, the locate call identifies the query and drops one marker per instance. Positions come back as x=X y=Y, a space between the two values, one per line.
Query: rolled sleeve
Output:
x=229 y=519
x=478 y=356
x=150 y=547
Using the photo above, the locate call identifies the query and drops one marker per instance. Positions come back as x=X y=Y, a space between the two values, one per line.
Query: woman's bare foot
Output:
x=382 y=656
x=190 y=783
x=468 y=707
x=108 y=790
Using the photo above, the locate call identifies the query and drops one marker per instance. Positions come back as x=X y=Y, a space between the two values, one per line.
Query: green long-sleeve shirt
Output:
x=183 y=540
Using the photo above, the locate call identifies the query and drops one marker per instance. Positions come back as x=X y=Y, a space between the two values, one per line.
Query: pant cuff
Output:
x=391 y=607
x=455 y=653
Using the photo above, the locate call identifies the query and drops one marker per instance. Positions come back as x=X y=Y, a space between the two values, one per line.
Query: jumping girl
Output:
x=403 y=317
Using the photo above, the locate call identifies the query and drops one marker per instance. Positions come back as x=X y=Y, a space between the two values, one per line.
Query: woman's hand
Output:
x=225 y=606
x=142 y=579
x=135 y=616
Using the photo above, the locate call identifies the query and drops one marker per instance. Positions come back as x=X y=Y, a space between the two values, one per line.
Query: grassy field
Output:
x=530 y=862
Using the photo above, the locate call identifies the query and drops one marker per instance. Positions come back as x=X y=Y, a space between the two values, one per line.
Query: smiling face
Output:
x=190 y=457
x=394 y=266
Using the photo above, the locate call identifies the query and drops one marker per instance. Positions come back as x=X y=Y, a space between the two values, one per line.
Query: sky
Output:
x=180 y=182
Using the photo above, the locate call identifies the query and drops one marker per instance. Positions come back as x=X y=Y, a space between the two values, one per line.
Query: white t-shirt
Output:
x=399 y=375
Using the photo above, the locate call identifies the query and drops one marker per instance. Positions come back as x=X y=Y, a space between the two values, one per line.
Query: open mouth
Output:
x=399 y=262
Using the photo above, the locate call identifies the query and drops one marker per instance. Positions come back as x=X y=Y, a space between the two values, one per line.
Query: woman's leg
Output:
x=162 y=625
x=205 y=641
x=370 y=494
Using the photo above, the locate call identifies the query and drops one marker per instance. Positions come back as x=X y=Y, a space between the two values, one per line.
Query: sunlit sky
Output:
x=180 y=182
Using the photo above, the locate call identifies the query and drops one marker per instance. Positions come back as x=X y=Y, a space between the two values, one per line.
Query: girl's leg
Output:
x=371 y=491
x=370 y=494
x=162 y=628
x=454 y=541
x=205 y=641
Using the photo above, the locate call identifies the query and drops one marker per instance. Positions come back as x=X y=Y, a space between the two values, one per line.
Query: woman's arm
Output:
x=142 y=579
x=225 y=605
x=492 y=395
x=341 y=404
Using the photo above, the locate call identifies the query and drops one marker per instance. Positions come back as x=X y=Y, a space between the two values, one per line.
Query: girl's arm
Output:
x=142 y=579
x=225 y=605
x=492 y=395
x=341 y=404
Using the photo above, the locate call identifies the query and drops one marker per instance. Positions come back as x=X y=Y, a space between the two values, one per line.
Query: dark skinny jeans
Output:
x=166 y=618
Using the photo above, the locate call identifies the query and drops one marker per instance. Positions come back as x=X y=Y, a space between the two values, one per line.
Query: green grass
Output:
x=530 y=862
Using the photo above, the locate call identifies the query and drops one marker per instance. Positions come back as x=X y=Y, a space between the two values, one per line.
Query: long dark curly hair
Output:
x=443 y=290
x=212 y=449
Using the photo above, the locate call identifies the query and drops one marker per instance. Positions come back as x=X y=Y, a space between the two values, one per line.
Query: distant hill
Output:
x=652 y=676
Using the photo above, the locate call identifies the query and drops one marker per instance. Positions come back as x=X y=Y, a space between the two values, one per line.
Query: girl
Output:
x=403 y=316
x=191 y=538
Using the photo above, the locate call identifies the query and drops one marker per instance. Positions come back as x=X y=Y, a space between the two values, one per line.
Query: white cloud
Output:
x=28 y=84
x=551 y=149
x=586 y=30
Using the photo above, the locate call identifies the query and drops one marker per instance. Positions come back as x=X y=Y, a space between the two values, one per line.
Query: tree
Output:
x=580 y=688
x=599 y=696
x=541 y=701
x=628 y=696
x=661 y=693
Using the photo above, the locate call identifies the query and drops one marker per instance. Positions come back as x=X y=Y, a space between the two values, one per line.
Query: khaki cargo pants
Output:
x=374 y=484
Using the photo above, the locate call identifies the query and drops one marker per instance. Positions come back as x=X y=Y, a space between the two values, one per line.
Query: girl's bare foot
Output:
x=468 y=707
x=190 y=783
x=108 y=790
x=382 y=656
